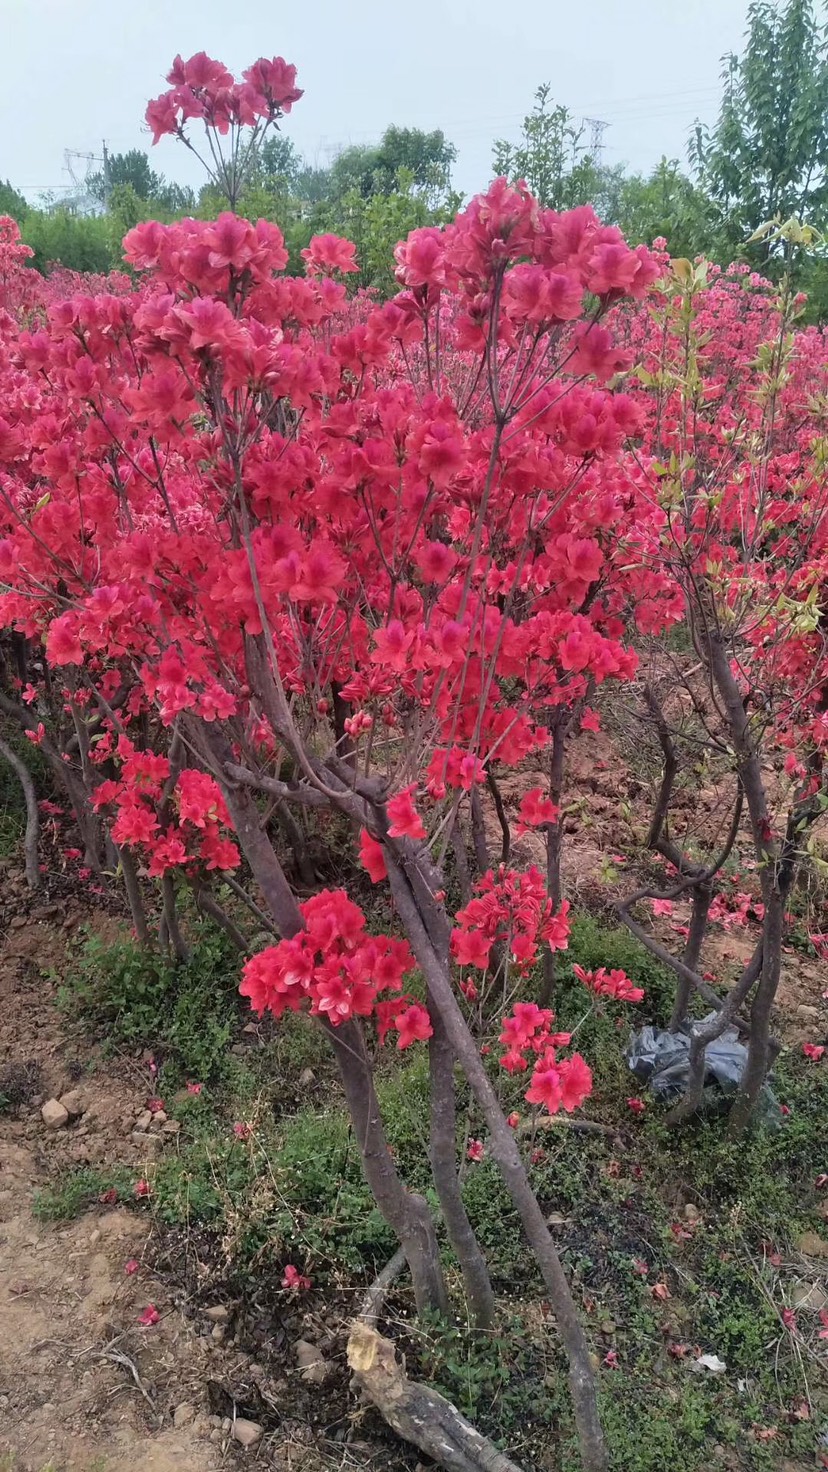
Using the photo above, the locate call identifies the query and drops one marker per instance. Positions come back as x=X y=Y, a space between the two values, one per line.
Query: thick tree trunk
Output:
x=417 y=1413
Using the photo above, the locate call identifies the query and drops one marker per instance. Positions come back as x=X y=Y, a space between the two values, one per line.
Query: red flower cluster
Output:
x=557 y=1083
x=139 y=798
x=615 y=984
x=205 y=89
x=513 y=908
x=337 y=970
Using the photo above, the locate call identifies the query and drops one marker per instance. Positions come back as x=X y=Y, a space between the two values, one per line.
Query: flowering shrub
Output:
x=733 y=449
x=292 y=551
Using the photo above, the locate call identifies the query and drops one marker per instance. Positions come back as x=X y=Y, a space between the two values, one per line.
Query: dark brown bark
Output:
x=341 y=711
x=777 y=866
x=254 y=842
x=407 y=1214
x=171 y=930
x=759 y=1047
x=207 y=904
x=701 y=875
x=702 y=899
x=478 y=827
x=694 y=981
x=461 y=861
x=296 y=838
x=505 y=831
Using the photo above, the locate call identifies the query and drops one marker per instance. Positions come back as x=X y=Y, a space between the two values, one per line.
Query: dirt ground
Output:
x=84 y=1387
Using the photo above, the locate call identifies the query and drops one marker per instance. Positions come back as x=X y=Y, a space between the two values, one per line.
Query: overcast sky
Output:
x=78 y=71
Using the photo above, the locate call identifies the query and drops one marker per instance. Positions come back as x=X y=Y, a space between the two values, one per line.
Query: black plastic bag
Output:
x=661 y=1059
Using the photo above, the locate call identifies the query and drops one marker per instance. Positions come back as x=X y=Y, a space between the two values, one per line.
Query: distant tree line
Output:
x=765 y=158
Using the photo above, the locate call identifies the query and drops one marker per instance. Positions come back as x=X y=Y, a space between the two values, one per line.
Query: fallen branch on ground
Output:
x=417 y=1414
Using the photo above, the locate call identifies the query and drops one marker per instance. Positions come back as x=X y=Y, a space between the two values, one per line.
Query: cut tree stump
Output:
x=417 y=1414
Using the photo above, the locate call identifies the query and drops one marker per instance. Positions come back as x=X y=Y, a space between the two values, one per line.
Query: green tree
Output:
x=11 y=202
x=422 y=160
x=80 y=242
x=427 y=159
x=767 y=154
x=377 y=222
x=667 y=203
x=132 y=171
x=280 y=163
x=553 y=157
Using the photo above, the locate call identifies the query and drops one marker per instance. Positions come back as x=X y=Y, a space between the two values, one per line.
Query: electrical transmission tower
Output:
x=597 y=128
x=82 y=196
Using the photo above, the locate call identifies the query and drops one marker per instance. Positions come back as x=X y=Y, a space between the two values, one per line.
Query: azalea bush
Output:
x=735 y=453
x=280 y=561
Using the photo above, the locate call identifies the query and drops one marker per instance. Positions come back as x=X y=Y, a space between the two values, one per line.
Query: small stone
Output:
x=183 y=1415
x=146 y=1142
x=311 y=1364
x=94 y=1238
x=159 y=1117
x=809 y=1296
x=72 y=1103
x=810 y=1245
x=170 y=1127
x=246 y=1433
x=18 y=922
x=144 y=1121
x=217 y=1435
x=218 y=1314
x=306 y=1078
x=251 y=1029
x=54 y=1115
x=807 y=1012
x=691 y=1212
x=226 y=1423
x=218 y=1333
x=214 y=1420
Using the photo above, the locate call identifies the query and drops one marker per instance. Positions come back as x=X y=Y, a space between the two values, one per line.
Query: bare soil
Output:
x=84 y=1387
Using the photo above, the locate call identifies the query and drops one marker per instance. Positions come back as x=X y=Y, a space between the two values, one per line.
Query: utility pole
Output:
x=106 y=179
